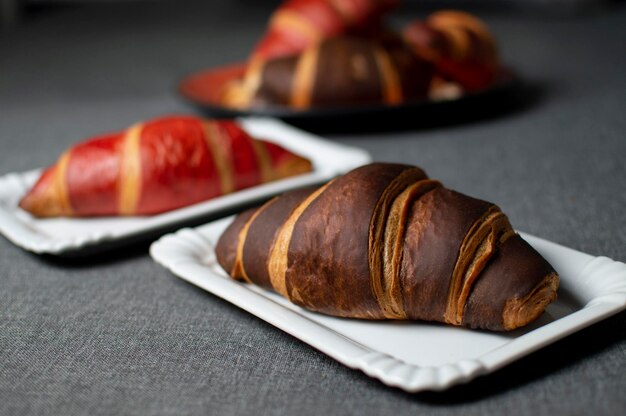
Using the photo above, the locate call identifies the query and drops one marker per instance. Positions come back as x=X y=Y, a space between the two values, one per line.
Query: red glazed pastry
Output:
x=157 y=166
x=298 y=24
x=459 y=45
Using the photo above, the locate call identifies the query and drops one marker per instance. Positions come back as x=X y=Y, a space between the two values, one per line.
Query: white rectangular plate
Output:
x=413 y=356
x=71 y=235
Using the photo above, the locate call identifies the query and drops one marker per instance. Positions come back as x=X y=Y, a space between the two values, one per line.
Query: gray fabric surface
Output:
x=117 y=334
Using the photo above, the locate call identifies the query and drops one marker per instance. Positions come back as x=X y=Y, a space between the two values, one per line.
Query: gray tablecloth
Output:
x=117 y=334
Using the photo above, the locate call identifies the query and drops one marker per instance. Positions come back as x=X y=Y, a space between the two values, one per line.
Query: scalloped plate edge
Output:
x=189 y=255
x=329 y=159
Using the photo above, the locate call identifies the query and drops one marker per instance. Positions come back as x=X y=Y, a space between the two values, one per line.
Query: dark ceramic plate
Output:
x=203 y=90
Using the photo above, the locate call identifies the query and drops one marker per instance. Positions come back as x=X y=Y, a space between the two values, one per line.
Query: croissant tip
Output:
x=43 y=200
x=295 y=165
x=31 y=202
x=26 y=203
x=36 y=204
x=520 y=312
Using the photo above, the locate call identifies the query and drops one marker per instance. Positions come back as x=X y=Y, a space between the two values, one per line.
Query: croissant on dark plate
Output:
x=342 y=53
x=346 y=70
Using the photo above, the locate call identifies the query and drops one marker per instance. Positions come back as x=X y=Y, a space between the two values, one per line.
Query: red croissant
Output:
x=297 y=24
x=459 y=45
x=157 y=166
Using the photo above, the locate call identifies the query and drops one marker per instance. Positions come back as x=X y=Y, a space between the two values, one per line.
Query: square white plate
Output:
x=75 y=235
x=413 y=356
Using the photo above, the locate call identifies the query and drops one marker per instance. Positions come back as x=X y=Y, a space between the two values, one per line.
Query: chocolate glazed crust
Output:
x=328 y=254
x=276 y=82
x=438 y=222
x=226 y=248
x=262 y=234
x=408 y=66
x=346 y=71
x=513 y=275
x=347 y=66
x=386 y=242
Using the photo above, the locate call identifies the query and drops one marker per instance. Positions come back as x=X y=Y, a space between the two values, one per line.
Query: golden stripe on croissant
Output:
x=386 y=242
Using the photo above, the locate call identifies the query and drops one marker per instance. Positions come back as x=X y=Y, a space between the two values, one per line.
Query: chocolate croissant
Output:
x=157 y=166
x=459 y=45
x=386 y=242
x=336 y=71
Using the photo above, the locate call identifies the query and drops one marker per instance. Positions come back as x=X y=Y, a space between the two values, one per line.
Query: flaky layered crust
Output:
x=386 y=242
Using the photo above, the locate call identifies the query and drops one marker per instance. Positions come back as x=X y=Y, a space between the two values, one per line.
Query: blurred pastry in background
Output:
x=344 y=70
x=326 y=53
x=332 y=53
x=298 y=24
x=460 y=47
